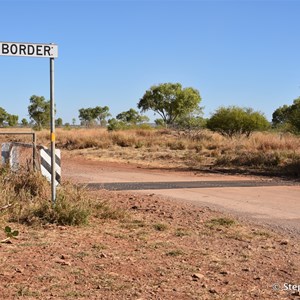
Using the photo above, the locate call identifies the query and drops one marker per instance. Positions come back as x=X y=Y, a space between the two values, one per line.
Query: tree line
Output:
x=177 y=107
x=5 y=117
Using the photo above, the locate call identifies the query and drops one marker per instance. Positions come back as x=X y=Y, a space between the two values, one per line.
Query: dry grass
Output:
x=266 y=151
x=271 y=152
x=25 y=199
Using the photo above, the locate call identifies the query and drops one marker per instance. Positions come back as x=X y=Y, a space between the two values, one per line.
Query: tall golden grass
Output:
x=25 y=198
x=262 y=150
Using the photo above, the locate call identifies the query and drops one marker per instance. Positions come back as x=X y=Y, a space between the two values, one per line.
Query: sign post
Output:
x=52 y=131
x=39 y=50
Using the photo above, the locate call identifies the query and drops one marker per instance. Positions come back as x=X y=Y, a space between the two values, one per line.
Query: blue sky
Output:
x=244 y=53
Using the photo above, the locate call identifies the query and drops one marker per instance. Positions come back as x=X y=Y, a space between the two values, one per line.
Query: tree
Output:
x=294 y=115
x=59 y=122
x=3 y=116
x=233 y=120
x=288 y=117
x=39 y=111
x=12 y=120
x=160 y=122
x=73 y=121
x=86 y=116
x=191 y=121
x=126 y=120
x=132 y=117
x=170 y=101
x=280 y=115
x=24 y=122
x=101 y=113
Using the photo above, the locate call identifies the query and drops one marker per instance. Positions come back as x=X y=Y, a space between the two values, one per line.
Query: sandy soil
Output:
x=157 y=249
x=149 y=247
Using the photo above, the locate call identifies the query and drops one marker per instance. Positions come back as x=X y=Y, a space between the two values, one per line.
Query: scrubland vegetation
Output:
x=24 y=199
x=272 y=153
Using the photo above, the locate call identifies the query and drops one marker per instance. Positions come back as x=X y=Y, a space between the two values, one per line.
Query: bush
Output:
x=27 y=194
x=26 y=197
x=234 y=120
x=287 y=118
x=65 y=212
x=114 y=124
x=30 y=183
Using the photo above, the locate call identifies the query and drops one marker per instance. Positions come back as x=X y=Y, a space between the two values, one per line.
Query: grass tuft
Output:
x=175 y=253
x=220 y=222
x=27 y=196
x=160 y=227
x=104 y=210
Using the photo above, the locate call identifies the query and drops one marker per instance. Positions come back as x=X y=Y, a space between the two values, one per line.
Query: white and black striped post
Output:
x=46 y=165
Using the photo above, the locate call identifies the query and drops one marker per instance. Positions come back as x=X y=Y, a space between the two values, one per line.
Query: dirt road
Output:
x=264 y=201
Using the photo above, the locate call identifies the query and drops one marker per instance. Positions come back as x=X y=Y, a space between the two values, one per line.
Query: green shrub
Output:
x=114 y=125
x=233 y=120
x=287 y=117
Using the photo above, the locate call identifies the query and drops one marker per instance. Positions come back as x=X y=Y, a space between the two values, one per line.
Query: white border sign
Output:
x=39 y=50
x=29 y=50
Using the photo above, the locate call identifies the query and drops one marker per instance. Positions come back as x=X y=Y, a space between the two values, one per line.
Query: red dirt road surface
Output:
x=276 y=206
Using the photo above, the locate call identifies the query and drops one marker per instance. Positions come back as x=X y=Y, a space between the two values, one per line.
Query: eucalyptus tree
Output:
x=170 y=101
